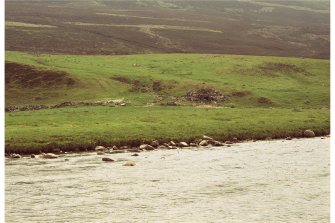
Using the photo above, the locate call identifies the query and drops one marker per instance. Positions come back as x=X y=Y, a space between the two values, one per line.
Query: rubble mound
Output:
x=205 y=95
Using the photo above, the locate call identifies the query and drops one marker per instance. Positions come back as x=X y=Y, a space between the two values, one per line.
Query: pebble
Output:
x=107 y=159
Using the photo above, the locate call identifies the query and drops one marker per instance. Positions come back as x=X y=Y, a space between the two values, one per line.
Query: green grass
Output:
x=68 y=128
x=286 y=88
x=298 y=88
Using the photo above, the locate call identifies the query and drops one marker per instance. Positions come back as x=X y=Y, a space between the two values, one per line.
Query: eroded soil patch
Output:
x=205 y=95
x=264 y=100
x=280 y=67
x=240 y=94
x=28 y=76
x=149 y=85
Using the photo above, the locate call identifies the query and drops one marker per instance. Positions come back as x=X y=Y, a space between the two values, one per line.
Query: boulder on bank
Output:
x=228 y=142
x=100 y=148
x=154 y=143
x=172 y=147
x=193 y=144
x=107 y=159
x=15 y=156
x=172 y=143
x=203 y=143
x=309 y=133
x=115 y=148
x=183 y=144
x=146 y=147
x=129 y=163
x=49 y=156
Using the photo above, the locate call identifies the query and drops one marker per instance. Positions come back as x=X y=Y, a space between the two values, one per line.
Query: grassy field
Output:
x=265 y=96
x=286 y=82
x=85 y=127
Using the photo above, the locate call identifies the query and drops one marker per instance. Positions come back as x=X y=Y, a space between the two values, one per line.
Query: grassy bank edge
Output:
x=83 y=128
x=79 y=147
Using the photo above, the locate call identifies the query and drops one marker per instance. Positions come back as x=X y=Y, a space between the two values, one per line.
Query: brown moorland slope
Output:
x=279 y=28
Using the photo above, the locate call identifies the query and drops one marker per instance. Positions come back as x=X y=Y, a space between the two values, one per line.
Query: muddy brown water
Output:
x=266 y=181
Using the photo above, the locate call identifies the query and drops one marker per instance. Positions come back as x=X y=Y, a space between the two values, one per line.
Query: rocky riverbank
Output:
x=203 y=142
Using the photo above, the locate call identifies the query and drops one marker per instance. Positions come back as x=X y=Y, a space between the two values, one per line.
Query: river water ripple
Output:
x=265 y=181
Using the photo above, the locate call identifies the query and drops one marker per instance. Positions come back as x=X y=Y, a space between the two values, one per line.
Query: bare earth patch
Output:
x=264 y=100
x=240 y=94
x=205 y=95
x=281 y=67
x=28 y=76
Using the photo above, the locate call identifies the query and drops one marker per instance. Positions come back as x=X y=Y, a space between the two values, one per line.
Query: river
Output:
x=265 y=181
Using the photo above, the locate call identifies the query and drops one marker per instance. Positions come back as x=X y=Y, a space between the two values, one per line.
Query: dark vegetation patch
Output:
x=152 y=86
x=29 y=77
x=205 y=95
x=270 y=68
x=144 y=85
x=157 y=86
x=240 y=94
x=264 y=100
x=122 y=79
x=140 y=86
